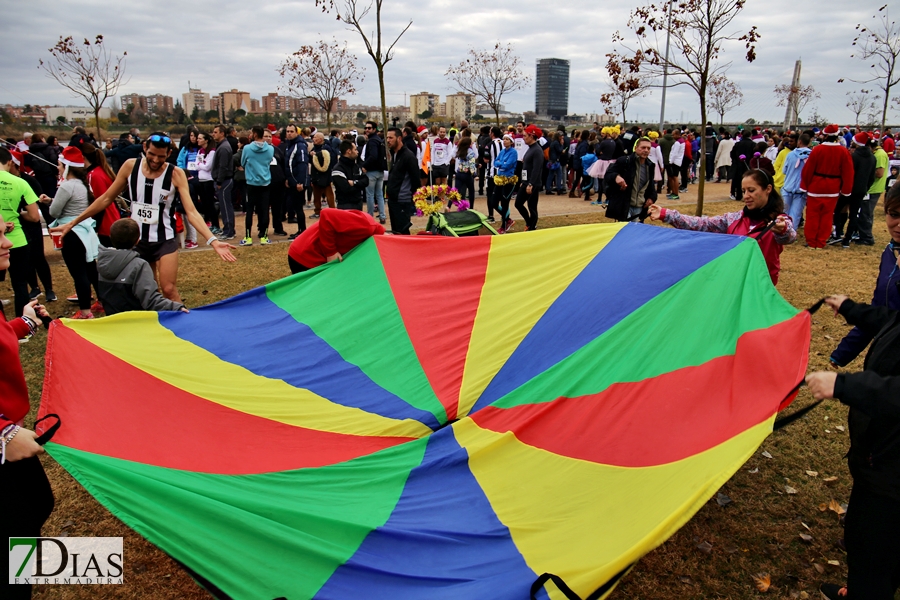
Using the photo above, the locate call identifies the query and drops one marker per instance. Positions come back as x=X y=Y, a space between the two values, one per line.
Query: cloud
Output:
x=232 y=44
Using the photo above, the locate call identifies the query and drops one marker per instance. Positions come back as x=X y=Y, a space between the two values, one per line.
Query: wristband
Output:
x=211 y=240
x=32 y=326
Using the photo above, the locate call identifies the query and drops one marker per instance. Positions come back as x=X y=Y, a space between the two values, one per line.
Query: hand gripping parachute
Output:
x=435 y=418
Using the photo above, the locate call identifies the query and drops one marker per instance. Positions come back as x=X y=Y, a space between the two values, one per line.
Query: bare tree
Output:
x=880 y=43
x=623 y=85
x=489 y=75
x=699 y=30
x=352 y=13
x=724 y=94
x=860 y=102
x=323 y=72
x=89 y=70
x=801 y=96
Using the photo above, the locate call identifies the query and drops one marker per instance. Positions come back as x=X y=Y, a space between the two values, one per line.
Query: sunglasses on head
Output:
x=160 y=138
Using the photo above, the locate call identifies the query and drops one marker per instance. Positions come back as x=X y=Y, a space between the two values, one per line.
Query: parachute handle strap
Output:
x=784 y=421
x=49 y=433
x=569 y=593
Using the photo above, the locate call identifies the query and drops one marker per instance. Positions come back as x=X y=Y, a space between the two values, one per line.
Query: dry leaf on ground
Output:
x=831 y=479
x=790 y=490
x=762 y=581
x=835 y=506
x=767 y=455
x=806 y=538
x=812 y=473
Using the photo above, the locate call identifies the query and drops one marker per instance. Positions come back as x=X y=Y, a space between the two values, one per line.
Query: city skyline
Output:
x=163 y=55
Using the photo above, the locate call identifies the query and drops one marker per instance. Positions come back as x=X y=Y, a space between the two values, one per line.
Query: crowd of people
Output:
x=826 y=182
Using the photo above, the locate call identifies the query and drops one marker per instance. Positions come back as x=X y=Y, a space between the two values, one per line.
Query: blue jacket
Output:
x=185 y=156
x=256 y=160
x=793 y=168
x=506 y=162
x=587 y=162
x=886 y=294
x=296 y=162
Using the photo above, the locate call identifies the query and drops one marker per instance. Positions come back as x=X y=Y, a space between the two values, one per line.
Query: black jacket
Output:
x=122 y=153
x=276 y=171
x=863 y=171
x=746 y=147
x=403 y=180
x=874 y=400
x=619 y=199
x=318 y=155
x=376 y=157
x=223 y=163
x=348 y=196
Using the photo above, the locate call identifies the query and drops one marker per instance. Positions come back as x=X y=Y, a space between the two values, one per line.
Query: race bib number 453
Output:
x=148 y=214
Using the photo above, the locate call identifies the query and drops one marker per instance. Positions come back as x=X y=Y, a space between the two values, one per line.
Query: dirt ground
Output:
x=716 y=555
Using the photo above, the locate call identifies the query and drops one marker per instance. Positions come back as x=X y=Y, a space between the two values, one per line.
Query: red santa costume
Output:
x=828 y=173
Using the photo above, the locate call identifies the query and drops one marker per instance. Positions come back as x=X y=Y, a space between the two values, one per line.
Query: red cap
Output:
x=831 y=130
x=16 y=157
x=534 y=131
x=861 y=138
x=72 y=157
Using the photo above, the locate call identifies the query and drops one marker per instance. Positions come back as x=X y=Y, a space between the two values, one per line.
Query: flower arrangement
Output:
x=501 y=180
x=432 y=199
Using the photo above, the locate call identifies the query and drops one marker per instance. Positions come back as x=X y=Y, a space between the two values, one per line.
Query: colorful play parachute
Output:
x=434 y=418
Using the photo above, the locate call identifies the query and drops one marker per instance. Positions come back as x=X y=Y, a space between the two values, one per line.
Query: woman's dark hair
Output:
x=585 y=135
x=37 y=137
x=462 y=149
x=51 y=140
x=775 y=205
x=892 y=199
x=209 y=143
x=761 y=147
x=243 y=140
x=97 y=160
x=80 y=173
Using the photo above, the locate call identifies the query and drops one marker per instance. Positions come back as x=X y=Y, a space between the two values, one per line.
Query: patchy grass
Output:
x=758 y=532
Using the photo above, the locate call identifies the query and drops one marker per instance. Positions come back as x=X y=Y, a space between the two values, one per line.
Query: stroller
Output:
x=456 y=224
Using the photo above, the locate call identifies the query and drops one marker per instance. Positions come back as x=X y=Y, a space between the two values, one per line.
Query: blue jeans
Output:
x=555 y=181
x=375 y=190
x=226 y=208
x=794 y=203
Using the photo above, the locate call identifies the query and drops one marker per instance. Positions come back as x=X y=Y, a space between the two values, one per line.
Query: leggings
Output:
x=83 y=273
x=38 y=261
x=295 y=266
x=207 y=194
x=529 y=213
x=28 y=502
x=19 y=271
x=873 y=556
x=258 y=199
x=465 y=183
x=500 y=199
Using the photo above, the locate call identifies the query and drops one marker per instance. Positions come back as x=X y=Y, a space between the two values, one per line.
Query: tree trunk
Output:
x=328 y=120
x=701 y=168
x=884 y=110
x=497 y=114
x=97 y=123
x=380 y=68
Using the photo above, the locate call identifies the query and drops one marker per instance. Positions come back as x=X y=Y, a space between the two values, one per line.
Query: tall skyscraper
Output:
x=551 y=94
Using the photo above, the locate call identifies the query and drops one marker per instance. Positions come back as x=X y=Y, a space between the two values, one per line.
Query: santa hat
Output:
x=421 y=129
x=534 y=131
x=861 y=139
x=72 y=157
x=271 y=127
x=16 y=157
x=831 y=130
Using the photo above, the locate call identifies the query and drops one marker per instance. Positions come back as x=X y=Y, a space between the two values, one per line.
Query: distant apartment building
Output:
x=274 y=102
x=133 y=100
x=160 y=104
x=214 y=103
x=424 y=101
x=196 y=98
x=551 y=90
x=233 y=100
x=255 y=106
x=459 y=106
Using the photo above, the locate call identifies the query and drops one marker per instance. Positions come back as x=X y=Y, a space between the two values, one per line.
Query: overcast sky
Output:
x=224 y=44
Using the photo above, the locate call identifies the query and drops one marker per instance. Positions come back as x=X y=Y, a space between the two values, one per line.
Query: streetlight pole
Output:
x=662 y=108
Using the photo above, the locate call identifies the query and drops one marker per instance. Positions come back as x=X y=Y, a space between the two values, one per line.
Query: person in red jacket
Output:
x=828 y=173
x=336 y=232
x=27 y=497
